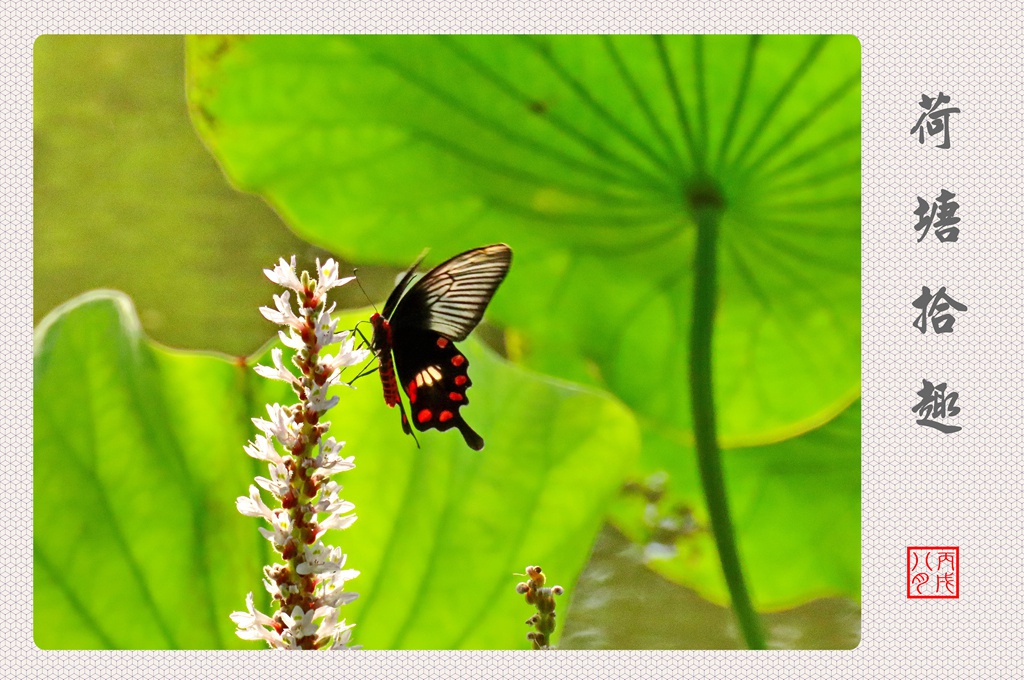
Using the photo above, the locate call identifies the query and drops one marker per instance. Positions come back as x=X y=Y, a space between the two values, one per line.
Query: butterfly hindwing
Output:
x=434 y=376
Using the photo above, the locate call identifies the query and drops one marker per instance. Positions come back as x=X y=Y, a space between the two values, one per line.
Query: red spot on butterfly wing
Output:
x=458 y=360
x=424 y=415
x=445 y=416
x=442 y=342
x=455 y=396
x=460 y=380
x=412 y=391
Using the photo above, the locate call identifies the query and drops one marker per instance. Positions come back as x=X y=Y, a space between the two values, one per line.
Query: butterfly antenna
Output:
x=358 y=283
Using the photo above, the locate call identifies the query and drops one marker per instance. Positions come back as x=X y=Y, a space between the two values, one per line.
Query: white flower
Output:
x=330 y=446
x=328 y=490
x=299 y=624
x=331 y=628
x=279 y=370
x=273 y=589
x=252 y=616
x=328 y=625
x=335 y=464
x=281 y=425
x=270 y=581
x=328 y=462
x=280 y=480
x=263 y=449
x=282 y=531
x=283 y=315
x=329 y=500
x=333 y=584
x=347 y=356
x=283 y=274
x=291 y=339
x=326 y=328
x=338 y=521
x=317 y=401
x=255 y=625
x=253 y=505
x=327 y=277
x=325 y=559
x=318 y=558
x=341 y=641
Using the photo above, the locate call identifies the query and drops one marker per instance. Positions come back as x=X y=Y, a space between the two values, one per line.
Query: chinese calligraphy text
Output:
x=936 y=307
x=940 y=214
x=936 y=405
x=934 y=120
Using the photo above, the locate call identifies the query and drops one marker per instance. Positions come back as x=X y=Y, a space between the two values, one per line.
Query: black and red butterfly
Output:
x=419 y=326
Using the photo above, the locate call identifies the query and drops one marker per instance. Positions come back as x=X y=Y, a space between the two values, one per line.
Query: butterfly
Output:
x=414 y=337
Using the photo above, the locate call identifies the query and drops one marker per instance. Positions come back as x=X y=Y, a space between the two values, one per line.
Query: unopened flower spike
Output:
x=543 y=598
x=308 y=586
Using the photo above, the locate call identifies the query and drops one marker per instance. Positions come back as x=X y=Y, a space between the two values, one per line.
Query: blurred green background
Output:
x=128 y=198
x=373 y=148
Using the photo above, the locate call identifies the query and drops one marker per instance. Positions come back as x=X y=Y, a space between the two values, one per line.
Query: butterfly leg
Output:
x=365 y=370
x=365 y=341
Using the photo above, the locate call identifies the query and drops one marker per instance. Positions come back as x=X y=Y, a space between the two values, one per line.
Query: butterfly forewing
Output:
x=400 y=287
x=451 y=297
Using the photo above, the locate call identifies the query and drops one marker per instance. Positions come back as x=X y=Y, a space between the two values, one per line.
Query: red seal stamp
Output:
x=933 y=571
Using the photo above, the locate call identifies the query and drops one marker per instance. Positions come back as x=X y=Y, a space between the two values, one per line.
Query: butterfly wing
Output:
x=403 y=283
x=451 y=298
x=433 y=373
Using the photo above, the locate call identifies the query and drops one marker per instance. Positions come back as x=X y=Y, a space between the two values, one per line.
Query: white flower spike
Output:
x=308 y=586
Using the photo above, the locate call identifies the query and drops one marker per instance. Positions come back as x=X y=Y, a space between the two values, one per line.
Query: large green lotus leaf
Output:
x=795 y=505
x=581 y=153
x=138 y=461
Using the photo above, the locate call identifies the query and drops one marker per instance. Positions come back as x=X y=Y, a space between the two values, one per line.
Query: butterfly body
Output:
x=382 y=347
x=414 y=338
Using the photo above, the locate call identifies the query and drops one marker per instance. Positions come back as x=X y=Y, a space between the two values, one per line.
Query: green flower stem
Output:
x=705 y=292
